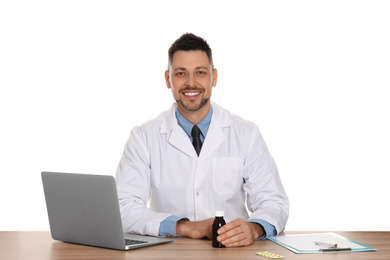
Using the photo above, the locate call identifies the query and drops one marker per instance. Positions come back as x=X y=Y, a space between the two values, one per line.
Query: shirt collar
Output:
x=187 y=126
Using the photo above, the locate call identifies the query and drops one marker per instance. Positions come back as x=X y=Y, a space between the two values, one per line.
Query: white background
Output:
x=77 y=76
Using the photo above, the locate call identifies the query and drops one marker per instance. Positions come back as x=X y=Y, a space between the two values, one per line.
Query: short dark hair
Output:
x=190 y=42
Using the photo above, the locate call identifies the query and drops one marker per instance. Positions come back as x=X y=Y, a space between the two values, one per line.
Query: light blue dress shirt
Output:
x=168 y=226
x=203 y=125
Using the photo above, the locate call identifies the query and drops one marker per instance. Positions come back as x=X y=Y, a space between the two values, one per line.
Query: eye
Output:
x=201 y=72
x=180 y=74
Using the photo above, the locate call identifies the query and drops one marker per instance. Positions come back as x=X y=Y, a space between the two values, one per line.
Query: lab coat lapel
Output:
x=215 y=136
x=181 y=141
x=178 y=137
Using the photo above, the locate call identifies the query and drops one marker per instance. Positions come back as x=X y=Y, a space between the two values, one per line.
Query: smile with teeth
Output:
x=191 y=93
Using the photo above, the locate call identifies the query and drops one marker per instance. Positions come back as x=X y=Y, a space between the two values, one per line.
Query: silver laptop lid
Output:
x=83 y=209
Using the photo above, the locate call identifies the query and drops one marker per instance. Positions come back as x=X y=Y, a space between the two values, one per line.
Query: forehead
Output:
x=190 y=59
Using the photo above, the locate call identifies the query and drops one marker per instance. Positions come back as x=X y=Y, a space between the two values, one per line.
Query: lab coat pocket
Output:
x=227 y=175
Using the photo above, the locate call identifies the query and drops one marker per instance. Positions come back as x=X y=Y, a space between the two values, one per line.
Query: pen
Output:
x=335 y=249
x=325 y=244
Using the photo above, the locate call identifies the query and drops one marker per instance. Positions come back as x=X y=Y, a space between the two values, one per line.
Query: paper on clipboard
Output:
x=306 y=243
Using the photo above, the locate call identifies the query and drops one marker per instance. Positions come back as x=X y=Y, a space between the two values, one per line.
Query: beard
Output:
x=193 y=109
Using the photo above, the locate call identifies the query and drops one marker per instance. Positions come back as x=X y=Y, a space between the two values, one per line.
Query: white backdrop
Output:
x=77 y=76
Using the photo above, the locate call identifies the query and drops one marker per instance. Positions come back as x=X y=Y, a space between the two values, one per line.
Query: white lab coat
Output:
x=160 y=164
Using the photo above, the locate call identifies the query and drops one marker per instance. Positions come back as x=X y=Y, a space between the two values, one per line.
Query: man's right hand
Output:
x=195 y=229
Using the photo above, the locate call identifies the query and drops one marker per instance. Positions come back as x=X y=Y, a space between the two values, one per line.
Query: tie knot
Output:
x=195 y=131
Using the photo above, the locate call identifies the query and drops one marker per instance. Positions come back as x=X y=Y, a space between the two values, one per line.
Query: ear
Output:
x=167 y=79
x=215 y=77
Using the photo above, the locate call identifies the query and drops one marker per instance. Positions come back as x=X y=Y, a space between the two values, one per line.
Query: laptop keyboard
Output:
x=130 y=242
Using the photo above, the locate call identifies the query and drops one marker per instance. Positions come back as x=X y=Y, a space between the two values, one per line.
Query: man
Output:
x=197 y=158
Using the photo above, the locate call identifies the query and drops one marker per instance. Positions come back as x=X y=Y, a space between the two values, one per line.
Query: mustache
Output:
x=192 y=89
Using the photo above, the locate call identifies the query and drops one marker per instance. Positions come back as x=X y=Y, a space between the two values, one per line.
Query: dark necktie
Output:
x=196 y=139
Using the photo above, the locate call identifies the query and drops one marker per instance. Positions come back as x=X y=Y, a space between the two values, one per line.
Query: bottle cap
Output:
x=219 y=213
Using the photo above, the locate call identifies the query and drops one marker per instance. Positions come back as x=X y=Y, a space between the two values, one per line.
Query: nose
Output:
x=191 y=81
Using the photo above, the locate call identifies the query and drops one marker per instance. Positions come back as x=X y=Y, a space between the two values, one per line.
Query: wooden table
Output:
x=33 y=245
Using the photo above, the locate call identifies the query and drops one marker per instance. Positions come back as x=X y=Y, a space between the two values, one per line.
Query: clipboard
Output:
x=305 y=243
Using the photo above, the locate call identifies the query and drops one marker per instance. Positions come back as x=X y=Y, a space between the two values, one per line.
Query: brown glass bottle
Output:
x=218 y=222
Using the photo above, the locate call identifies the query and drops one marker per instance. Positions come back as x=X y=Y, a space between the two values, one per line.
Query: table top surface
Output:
x=39 y=245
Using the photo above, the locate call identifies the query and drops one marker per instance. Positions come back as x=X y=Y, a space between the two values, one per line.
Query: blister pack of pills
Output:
x=270 y=255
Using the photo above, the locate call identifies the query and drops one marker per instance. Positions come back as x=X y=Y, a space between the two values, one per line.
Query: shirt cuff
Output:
x=270 y=230
x=168 y=226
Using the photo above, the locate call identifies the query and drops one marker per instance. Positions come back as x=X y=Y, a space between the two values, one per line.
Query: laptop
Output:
x=84 y=209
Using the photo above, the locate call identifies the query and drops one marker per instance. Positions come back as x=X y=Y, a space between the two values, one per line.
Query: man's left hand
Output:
x=239 y=233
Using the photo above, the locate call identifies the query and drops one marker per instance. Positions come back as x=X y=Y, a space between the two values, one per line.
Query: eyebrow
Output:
x=197 y=68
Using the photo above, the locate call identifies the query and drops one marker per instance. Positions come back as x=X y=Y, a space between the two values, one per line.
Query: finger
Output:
x=241 y=239
x=231 y=225
x=229 y=234
x=233 y=235
x=239 y=235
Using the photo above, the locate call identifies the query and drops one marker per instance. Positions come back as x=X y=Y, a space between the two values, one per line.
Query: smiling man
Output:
x=197 y=158
x=191 y=77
